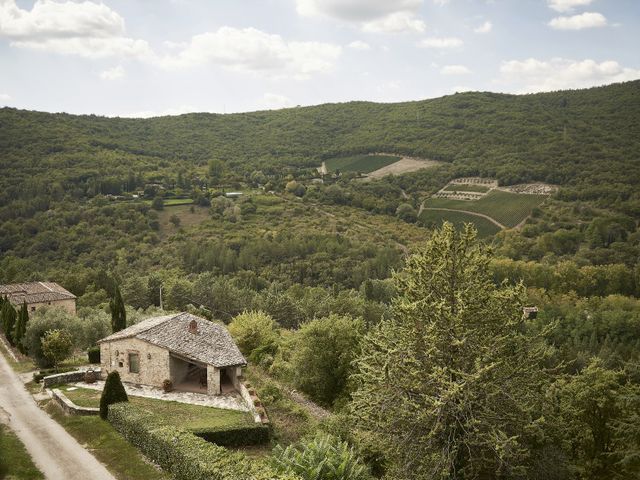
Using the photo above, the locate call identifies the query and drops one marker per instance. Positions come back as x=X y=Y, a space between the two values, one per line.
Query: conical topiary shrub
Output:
x=113 y=392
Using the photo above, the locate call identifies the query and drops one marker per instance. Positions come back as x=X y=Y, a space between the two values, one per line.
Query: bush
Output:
x=44 y=320
x=236 y=437
x=93 y=353
x=113 y=392
x=325 y=457
x=255 y=331
x=183 y=454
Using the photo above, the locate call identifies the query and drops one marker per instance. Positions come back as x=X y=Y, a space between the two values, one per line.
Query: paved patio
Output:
x=228 y=401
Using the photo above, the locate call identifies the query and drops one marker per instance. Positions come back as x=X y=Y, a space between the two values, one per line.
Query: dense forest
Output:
x=321 y=279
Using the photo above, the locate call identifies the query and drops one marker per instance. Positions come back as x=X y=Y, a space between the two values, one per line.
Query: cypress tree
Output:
x=118 y=312
x=9 y=315
x=21 y=327
x=113 y=392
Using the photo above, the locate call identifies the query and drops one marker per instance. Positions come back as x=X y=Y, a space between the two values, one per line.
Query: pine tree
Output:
x=9 y=316
x=113 y=392
x=118 y=311
x=450 y=387
x=21 y=327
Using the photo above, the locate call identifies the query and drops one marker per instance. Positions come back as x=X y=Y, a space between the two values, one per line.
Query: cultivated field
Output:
x=462 y=187
x=506 y=208
x=434 y=218
x=359 y=163
x=405 y=165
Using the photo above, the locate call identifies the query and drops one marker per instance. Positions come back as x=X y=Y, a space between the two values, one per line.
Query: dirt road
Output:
x=56 y=453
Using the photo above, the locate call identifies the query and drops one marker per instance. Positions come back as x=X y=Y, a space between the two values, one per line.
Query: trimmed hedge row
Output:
x=183 y=454
x=93 y=354
x=236 y=436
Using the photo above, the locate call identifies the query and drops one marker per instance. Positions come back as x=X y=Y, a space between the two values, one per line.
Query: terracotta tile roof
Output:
x=35 y=292
x=212 y=344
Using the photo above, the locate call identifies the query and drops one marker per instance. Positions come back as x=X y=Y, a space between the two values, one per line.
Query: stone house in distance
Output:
x=38 y=295
x=196 y=355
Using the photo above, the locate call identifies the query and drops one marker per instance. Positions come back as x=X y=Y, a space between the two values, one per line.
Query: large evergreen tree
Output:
x=9 y=316
x=21 y=327
x=450 y=387
x=118 y=312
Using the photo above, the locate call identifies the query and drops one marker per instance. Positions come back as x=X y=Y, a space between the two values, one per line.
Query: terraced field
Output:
x=506 y=208
x=465 y=187
x=434 y=218
x=360 y=163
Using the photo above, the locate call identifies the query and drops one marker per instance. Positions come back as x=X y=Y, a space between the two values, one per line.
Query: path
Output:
x=56 y=453
x=476 y=214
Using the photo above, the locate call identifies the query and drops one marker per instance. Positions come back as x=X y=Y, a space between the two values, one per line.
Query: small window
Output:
x=121 y=364
x=134 y=363
x=33 y=309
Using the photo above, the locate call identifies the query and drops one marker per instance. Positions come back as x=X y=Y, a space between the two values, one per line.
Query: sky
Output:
x=141 y=58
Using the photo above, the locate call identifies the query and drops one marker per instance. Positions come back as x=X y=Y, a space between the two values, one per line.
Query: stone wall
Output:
x=70 y=408
x=68 y=377
x=154 y=361
x=69 y=305
x=213 y=380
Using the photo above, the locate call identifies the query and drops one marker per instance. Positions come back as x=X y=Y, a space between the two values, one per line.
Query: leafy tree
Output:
x=21 y=327
x=57 y=345
x=113 y=392
x=157 y=203
x=118 y=311
x=44 y=320
x=407 y=213
x=215 y=171
x=253 y=331
x=601 y=413
x=450 y=386
x=175 y=220
x=321 y=356
x=9 y=316
x=323 y=457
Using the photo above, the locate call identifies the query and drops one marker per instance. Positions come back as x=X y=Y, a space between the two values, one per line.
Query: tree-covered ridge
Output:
x=565 y=137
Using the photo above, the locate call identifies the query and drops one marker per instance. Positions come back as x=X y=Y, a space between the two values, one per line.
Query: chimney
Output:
x=193 y=326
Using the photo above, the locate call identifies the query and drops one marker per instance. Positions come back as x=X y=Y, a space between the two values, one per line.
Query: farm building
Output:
x=196 y=355
x=38 y=295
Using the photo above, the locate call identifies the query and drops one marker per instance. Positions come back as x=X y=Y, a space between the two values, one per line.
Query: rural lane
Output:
x=56 y=453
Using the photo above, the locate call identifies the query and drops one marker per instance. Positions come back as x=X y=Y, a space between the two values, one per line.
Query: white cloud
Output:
x=454 y=70
x=440 y=42
x=359 y=45
x=370 y=15
x=275 y=101
x=253 y=50
x=114 y=73
x=86 y=28
x=4 y=97
x=578 y=22
x=567 y=5
x=533 y=75
x=486 y=27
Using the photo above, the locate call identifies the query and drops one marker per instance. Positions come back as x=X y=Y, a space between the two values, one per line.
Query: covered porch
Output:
x=189 y=375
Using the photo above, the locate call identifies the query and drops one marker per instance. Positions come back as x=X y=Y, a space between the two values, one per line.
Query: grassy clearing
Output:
x=15 y=461
x=434 y=218
x=460 y=187
x=507 y=208
x=121 y=458
x=23 y=365
x=186 y=216
x=360 y=163
x=179 y=414
x=289 y=420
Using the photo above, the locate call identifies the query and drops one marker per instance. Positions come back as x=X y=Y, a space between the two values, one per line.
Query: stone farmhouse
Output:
x=196 y=355
x=38 y=295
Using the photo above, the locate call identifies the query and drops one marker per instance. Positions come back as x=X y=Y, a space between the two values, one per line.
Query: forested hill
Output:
x=566 y=137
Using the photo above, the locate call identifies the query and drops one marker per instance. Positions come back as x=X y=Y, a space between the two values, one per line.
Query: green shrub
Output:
x=183 y=454
x=325 y=457
x=43 y=320
x=113 y=392
x=236 y=437
x=94 y=354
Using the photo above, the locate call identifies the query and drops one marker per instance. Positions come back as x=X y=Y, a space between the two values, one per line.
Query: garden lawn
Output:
x=360 y=163
x=15 y=461
x=173 y=413
x=121 y=458
x=507 y=208
x=434 y=218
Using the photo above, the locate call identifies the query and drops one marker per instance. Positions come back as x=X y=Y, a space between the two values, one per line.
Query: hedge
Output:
x=236 y=436
x=184 y=455
x=94 y=354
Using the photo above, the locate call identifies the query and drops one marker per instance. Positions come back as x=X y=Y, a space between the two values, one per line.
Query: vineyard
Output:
x=434 y=218
x=360 y=163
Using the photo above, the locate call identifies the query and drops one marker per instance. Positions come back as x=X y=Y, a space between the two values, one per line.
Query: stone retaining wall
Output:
x=253 y=402
x=68 y=377
x=70 y=408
